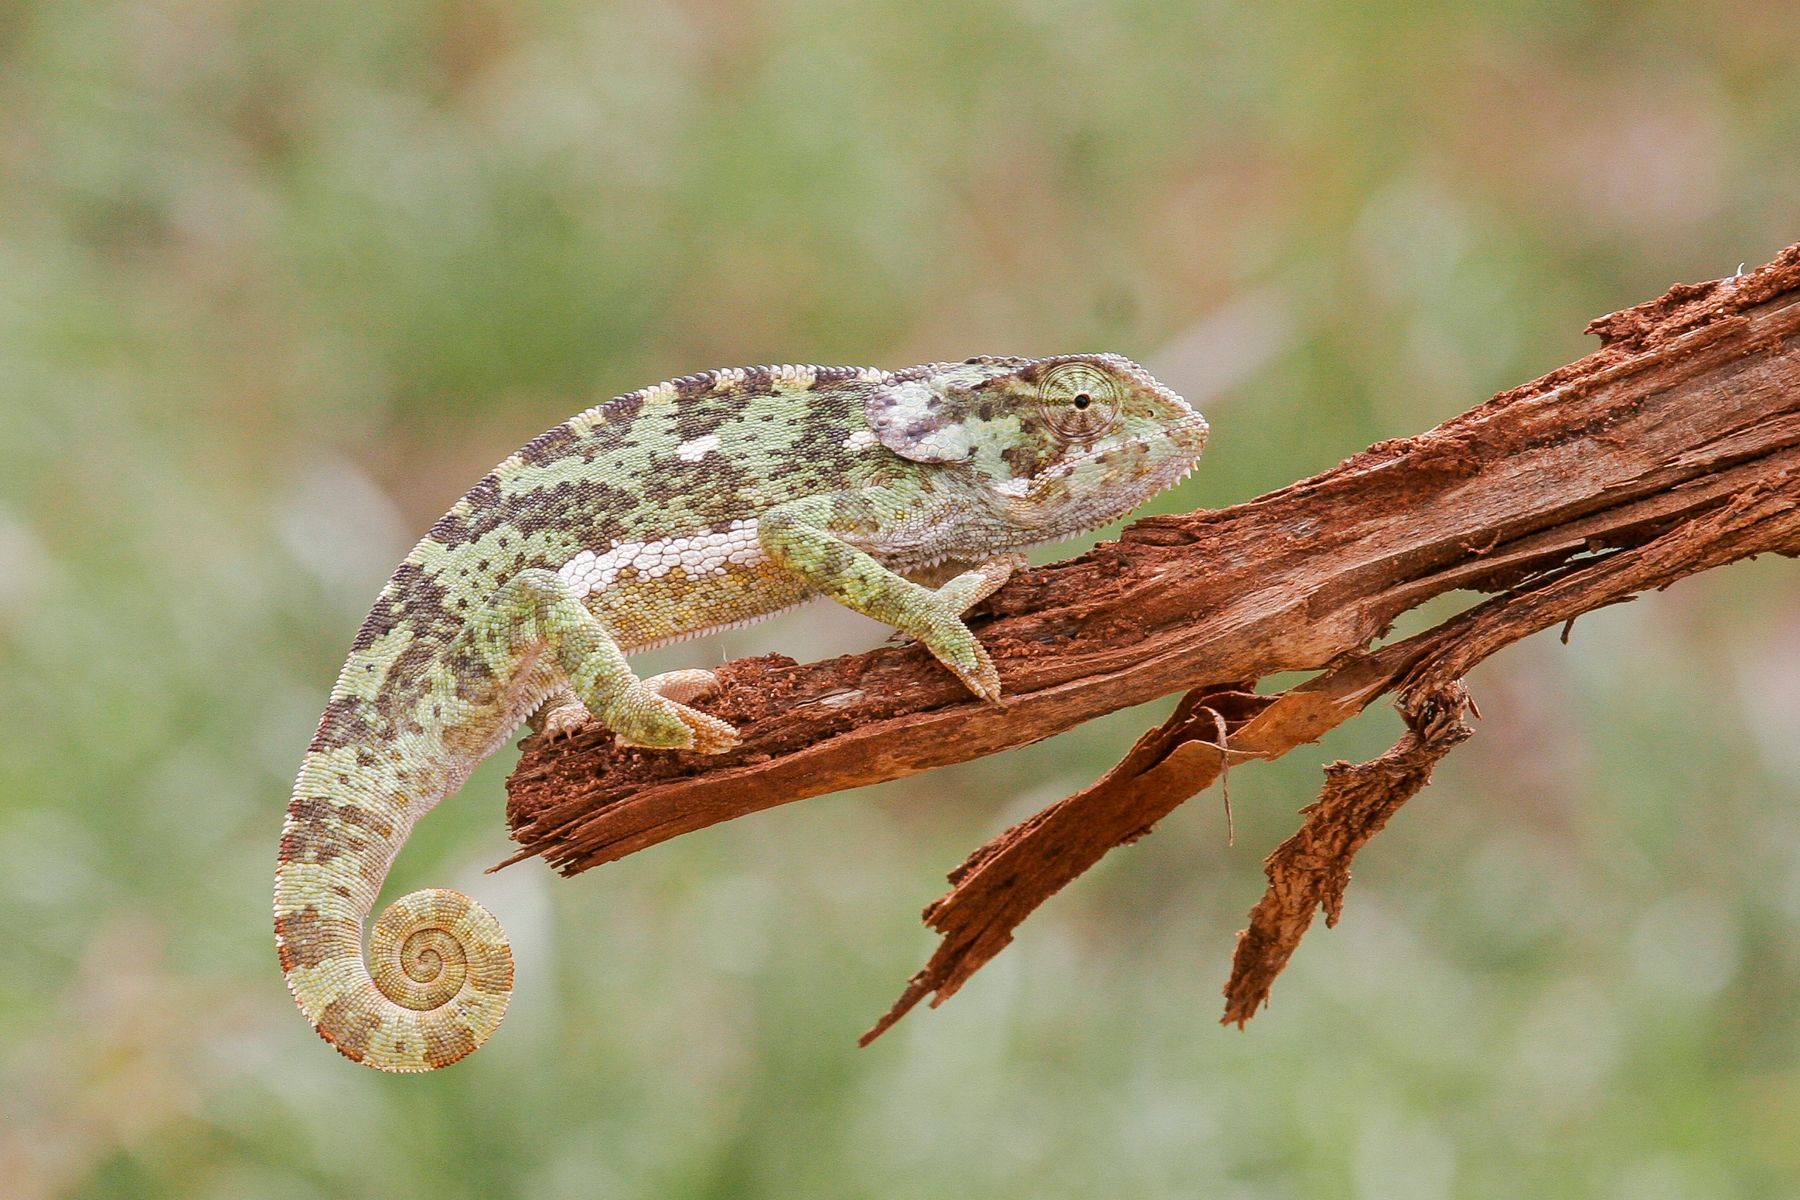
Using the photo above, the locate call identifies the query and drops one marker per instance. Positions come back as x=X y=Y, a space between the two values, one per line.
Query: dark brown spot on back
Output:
x=549 y=445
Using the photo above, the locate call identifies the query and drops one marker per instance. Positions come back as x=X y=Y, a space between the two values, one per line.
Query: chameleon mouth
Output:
x=1189 y=434
x=1180 y=443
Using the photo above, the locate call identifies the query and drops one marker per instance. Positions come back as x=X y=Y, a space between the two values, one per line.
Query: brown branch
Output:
x=1310 y=870
x=1673 y=449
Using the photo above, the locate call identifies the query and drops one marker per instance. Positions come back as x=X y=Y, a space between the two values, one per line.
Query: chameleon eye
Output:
x=1079 y=402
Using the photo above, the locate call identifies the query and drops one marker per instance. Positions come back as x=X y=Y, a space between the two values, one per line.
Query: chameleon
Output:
x=697 y=505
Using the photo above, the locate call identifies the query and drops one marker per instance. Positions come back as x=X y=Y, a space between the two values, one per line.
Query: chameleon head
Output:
x=1061 y=445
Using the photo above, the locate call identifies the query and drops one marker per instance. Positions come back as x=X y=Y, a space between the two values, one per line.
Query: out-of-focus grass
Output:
x=278 y=281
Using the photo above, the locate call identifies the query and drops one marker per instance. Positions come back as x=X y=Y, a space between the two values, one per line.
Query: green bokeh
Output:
x=277 y=281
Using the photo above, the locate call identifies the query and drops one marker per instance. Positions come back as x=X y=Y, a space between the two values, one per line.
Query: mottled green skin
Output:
x=669 y=512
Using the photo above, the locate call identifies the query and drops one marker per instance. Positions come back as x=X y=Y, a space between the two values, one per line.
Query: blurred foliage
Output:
x=277 y=281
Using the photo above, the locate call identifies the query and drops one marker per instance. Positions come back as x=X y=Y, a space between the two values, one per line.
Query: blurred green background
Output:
x=278 y=281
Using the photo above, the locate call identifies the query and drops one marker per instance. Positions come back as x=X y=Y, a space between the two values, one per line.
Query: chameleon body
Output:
x=681 y=509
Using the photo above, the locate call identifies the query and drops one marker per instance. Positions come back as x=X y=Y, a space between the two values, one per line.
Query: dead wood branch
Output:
x=1673 y=449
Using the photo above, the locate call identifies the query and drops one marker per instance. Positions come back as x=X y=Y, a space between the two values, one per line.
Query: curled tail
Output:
x=439 y=971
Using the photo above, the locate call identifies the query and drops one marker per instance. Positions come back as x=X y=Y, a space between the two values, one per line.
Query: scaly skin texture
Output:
x=674 y=511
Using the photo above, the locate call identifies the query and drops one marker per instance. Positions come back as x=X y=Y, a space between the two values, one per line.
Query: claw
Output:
x=984 y=682
x=977 y=671
x=560 y=724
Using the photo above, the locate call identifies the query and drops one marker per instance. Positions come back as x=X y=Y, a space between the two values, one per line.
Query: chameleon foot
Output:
x=683 y=686
x=950 y=640
x=561 y=716
x=655 y=714
x=970 y=588
x=643 y=717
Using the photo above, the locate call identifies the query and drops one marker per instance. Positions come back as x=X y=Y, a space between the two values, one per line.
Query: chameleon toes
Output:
x=971 y=587
x=650 y=720
x=981 y=677
x=564 y=722
x=683 y=686
x=711 y=735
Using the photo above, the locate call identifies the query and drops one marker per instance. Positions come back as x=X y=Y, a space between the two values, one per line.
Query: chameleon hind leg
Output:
x=536 y=612
x=800 y=536
x=563 y=714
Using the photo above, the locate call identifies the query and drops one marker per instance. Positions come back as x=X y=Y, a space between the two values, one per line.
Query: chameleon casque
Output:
x=693 y=506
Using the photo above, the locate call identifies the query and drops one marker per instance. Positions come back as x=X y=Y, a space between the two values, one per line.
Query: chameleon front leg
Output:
x=536 y=611
x=563 y=714
x=801 y=536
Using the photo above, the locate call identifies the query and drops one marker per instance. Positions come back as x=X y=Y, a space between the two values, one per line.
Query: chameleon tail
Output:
x=439 y=971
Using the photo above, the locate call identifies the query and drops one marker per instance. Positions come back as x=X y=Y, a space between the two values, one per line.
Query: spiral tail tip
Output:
x=442 y=975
